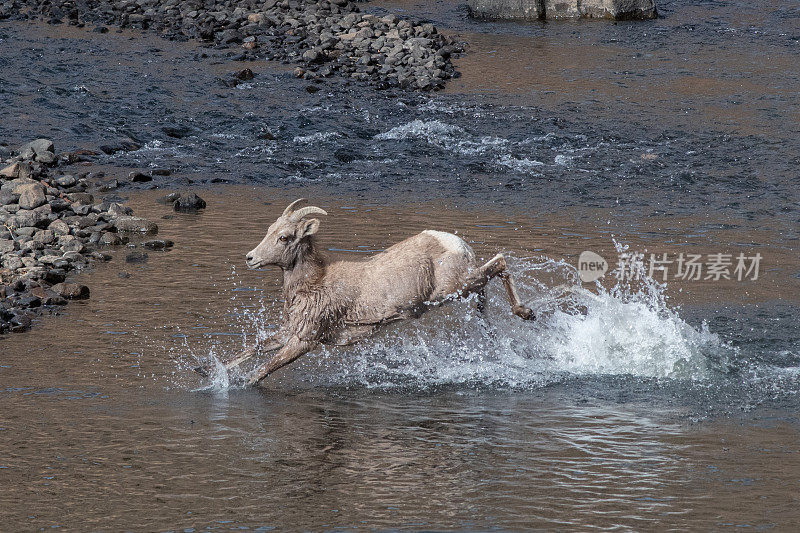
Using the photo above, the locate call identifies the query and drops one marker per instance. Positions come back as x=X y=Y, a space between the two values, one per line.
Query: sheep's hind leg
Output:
x=497 y=267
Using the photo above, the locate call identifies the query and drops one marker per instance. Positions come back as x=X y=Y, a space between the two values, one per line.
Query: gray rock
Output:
x=31 y=196
x=135 y=225
x=10 y=172
x=13 y=262
x=7 y=197
x=118 y=210
x=27 y=218
x=8 y=245
x=49 y=259
x=38 y=146
x=110 y=239
x=72 y=246
x=13 y=185
x=47 y=158
x=27 y=231
x=59 y=227
x=74 y=257
x=67 y=180
x=81 y=198
x=44 y=236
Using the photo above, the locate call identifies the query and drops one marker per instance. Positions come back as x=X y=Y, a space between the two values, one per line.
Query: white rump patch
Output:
x=451 y=243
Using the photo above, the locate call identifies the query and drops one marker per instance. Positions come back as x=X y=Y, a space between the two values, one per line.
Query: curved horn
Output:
x=292 y=206
x=305 y=211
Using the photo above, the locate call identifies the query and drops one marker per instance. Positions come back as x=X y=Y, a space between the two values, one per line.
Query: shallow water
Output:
x=611 y=411
x=640 y=407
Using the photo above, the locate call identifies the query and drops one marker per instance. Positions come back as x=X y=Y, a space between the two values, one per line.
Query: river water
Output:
x=626 y=406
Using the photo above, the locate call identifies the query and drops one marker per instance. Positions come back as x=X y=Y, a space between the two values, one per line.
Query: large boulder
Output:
x=562 y=9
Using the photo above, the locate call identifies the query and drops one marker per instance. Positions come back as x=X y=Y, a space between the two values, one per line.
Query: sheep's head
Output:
x=287 y=237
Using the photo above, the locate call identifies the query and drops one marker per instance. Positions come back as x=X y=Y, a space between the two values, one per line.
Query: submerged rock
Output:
x=189 y=202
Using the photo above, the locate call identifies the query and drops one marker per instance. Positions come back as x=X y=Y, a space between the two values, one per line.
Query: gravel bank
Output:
x=326 y=37
x=51 y=226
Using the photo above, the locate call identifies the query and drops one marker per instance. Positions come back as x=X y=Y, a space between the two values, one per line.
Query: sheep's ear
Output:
x=309 y=227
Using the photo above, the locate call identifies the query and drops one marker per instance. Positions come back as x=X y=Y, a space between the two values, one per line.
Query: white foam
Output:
x=322 y=136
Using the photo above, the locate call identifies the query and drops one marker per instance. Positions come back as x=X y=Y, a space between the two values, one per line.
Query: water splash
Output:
x=627 y=329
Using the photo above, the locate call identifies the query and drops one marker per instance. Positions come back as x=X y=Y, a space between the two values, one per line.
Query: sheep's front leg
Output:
x=290 y=351
x=268 y=345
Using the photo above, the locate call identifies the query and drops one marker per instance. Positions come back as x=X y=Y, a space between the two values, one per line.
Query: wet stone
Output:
x=189 y=202
x=136 y=257
x=71 y=291
x=158 y=244
x=168 y=199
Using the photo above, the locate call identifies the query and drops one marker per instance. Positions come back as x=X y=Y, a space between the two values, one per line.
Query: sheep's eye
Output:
x=285 y=238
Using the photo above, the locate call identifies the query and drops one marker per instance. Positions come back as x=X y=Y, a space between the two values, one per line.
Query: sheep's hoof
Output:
x=523 y=312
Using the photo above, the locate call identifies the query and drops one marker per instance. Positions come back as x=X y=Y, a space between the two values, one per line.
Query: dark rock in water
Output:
x=71 y=291
x=158 y=244
x=123 y=275
x=123 y=145
x=139 y=177
x=136 y=257
x=346 y=155
x=168 y=199
x=161 y=172
x=245 y=74
x=189 y=202
x=177 y=131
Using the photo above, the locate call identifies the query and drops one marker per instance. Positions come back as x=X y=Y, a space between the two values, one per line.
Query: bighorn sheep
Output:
x=341 y=302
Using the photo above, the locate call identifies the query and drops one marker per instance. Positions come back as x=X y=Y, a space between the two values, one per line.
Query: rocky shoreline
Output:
x=326 y=37
x=52 y=226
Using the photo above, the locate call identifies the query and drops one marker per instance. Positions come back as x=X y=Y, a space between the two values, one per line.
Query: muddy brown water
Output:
x=105 y=428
